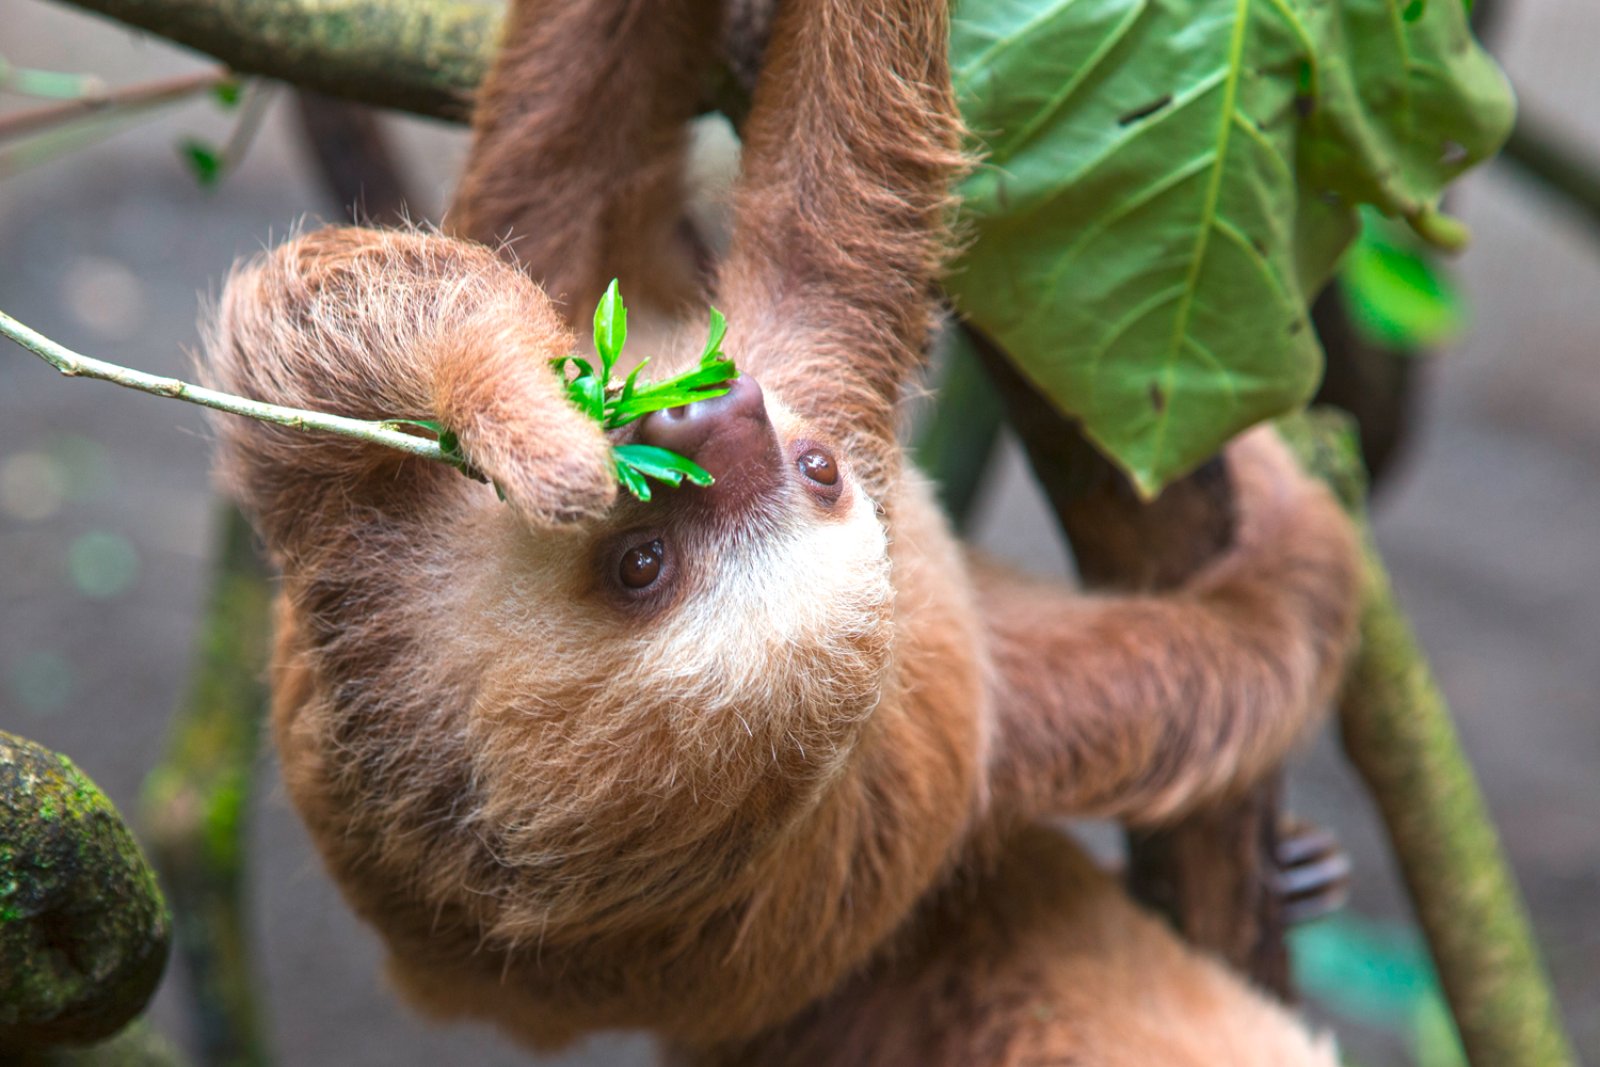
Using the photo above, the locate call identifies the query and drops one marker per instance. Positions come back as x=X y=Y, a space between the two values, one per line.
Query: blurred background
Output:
x=1490 y=522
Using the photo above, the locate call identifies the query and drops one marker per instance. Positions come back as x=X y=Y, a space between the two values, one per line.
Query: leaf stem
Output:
x=75 y=365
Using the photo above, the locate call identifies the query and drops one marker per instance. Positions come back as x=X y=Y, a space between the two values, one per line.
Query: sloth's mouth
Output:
x=731 y=436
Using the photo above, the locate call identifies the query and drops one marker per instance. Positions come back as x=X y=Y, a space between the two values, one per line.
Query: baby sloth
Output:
x=758 y=767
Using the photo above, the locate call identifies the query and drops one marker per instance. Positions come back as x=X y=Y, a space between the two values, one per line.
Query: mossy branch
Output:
x=423 y=56
x=196 y=800
x=1398 y=734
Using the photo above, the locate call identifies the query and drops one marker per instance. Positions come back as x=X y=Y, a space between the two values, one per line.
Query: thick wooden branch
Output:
x=423 y=56
x=1211 y=872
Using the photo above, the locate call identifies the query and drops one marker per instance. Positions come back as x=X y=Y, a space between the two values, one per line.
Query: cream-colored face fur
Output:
x=741 y=683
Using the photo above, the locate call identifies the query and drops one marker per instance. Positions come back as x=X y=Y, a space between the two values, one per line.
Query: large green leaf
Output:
x=1168 y=182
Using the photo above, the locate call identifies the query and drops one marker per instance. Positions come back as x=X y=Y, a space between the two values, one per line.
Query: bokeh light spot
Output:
x=42 y=682
x=102 y=564
x=31 y=486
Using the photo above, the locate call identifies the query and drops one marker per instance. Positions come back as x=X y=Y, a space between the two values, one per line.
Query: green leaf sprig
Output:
x=613 y=404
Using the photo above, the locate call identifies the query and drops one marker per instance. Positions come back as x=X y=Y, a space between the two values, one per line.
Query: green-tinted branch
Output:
x=424 y=56
x=1398 y=733
x=75 y=365
x=195 y=802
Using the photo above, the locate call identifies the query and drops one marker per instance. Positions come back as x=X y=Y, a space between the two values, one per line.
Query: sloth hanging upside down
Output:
x=759 y=767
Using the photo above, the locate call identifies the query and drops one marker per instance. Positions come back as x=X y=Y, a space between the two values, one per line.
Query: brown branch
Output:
x=128 y=98
x=1210 y=873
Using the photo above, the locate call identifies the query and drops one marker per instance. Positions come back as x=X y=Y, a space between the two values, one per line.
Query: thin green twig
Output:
x=76 y=365
x=123 y=101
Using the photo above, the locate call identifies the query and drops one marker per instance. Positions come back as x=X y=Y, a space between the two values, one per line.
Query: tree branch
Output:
x=424 y=56
x=1397 y=732
x=1209 y=873
x=195 y=801
x=75 y=365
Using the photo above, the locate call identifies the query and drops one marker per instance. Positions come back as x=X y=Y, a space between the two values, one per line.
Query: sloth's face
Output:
x=652 y=697
x=767 y=588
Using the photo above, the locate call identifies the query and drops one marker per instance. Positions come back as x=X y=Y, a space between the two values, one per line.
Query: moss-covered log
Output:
x=136 y=1046
x=424 y=56
x=83 y=927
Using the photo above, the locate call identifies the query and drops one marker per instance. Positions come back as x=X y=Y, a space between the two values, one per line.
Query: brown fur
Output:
x=777 y=810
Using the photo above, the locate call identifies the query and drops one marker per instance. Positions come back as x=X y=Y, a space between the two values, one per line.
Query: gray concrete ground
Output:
x=1492 y=528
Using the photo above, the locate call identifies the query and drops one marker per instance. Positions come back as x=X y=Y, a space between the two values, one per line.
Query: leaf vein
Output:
x=984 y=60
x=1053 y=106
x=1180 y=324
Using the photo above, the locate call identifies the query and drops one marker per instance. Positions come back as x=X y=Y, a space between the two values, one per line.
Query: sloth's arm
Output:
x=1141 y=707
x=578 y=143
x=839 y=232
x=376 y=325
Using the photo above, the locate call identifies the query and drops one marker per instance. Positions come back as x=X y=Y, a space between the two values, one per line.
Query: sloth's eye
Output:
x=641 y=564
x=819 y=467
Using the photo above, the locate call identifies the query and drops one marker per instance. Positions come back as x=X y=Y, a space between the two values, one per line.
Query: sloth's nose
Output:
x=724 y=434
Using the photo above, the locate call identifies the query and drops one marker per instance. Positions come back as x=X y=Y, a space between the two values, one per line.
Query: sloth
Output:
x=762 y=767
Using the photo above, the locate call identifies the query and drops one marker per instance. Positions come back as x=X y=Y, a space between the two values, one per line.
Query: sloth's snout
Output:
x=729 y=435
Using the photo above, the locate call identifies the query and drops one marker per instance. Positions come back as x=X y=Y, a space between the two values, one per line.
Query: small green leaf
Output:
x=227 y=93
x=713 y=348
x=1398 y=296
x=624 y=397
x=432 y=426
x=655 y=400
x=611 y=406
x=632 y=481
x=589 y=395
x=450 y=447
x=204 y=160
x=661 y=464
x=560 y=364
x=610 y=328
x=706 y=376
